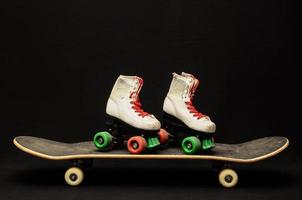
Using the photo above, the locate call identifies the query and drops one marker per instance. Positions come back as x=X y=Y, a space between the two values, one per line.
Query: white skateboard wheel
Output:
x=74 y=176
x=228 y=178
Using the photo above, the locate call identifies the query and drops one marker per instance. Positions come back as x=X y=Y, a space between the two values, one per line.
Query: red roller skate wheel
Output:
x=136 y=144
x=163 y=136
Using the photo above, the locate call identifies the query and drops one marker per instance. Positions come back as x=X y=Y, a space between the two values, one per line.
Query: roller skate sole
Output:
x=222 y=155
x=118 y=132
x=181 y=133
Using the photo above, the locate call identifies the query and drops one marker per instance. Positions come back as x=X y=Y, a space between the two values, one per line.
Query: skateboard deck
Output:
x=81 y=154
x=247 y=152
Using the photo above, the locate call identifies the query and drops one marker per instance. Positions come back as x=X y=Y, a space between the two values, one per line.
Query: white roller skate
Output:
x=190 y=127
x=127 y=121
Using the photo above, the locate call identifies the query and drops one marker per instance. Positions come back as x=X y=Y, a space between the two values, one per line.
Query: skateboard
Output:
x=222 y=156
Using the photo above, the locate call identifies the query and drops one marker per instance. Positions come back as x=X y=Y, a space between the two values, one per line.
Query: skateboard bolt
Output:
x=228 y=178
x=73 y=177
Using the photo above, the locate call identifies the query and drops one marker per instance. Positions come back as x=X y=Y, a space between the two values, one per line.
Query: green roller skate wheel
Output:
x=191 y=145
x=102 y=140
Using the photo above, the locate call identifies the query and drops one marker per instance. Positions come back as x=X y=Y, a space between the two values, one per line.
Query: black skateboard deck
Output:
x=247 y=152
x=251 y=151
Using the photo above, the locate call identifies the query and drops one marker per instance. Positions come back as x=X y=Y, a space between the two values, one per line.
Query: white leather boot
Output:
x=178 y=103
x=124 y=104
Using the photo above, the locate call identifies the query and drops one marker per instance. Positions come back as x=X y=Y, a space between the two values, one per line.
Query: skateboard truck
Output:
x=83 y=163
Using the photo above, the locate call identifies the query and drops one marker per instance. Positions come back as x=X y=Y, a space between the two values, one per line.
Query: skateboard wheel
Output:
x=191 y=145
x=163 y=136
x=102 y=140
x=228 y=178
x=74 y=176
x=136 y=144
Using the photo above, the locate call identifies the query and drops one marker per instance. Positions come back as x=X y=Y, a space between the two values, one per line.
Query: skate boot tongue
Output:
x=134 y=95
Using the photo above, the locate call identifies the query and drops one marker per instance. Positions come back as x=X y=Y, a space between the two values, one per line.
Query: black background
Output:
x=59 y=61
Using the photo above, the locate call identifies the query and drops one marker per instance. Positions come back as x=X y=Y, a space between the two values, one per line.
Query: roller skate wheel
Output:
x=102 y=140
x=163 y=136
x=74 y=176
x=191 y=145
x=228 y=178
x=136 y=144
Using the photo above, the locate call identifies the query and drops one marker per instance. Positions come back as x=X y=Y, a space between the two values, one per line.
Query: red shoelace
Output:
x=137 y=106
x=189 y=104
x=193 y=110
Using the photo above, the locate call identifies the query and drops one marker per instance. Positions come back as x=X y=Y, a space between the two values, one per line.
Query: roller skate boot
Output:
x=127 y=123
x=188 y=127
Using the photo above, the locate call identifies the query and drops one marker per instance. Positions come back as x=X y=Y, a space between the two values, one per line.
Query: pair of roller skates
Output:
x=128 y=124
